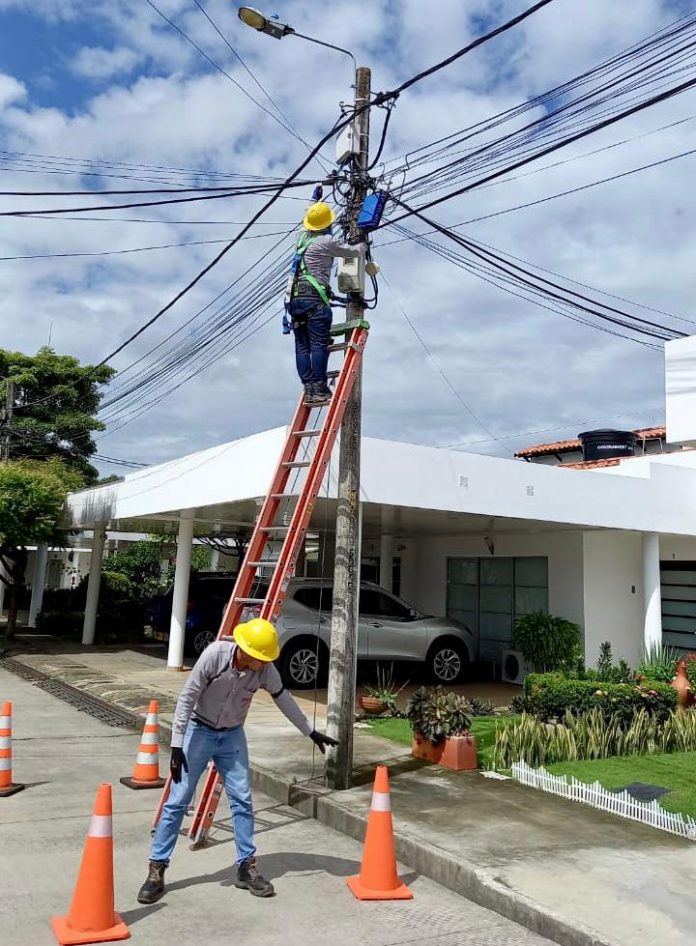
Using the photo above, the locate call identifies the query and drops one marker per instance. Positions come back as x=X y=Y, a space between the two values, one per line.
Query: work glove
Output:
x=176 y=762
x=318 y=192
x=320 y=741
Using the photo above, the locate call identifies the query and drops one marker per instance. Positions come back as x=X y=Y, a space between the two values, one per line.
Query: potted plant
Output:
x=381 y=697
x=441 y=724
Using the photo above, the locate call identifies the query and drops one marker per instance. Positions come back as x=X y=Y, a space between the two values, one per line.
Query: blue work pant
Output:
x=228 y=750
x=311 y=323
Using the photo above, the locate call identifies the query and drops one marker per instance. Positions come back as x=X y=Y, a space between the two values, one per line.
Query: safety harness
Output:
x=298 y=268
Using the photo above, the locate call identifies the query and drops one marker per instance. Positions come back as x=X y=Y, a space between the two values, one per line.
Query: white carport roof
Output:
x=406 y=489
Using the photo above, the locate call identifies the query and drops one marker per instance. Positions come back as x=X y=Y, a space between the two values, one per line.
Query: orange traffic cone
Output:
x=146 y=768
x=7 y=786
x=378 y=879
x=92 y=918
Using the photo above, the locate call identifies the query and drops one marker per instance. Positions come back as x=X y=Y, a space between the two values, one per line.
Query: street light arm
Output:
x=319 y=42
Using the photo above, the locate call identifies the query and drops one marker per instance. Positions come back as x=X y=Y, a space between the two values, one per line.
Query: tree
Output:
x=32 y=498
x=56 y=400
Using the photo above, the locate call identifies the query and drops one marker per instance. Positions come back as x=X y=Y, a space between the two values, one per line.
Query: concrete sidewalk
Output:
x=572 y=874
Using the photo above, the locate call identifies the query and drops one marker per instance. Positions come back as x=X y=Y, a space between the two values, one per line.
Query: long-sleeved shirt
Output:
x=219 y=695
x=319 y=258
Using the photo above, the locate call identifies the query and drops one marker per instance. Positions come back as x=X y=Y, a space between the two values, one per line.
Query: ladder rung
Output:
x=333 y=374
x=296 y=463
x=341 y=347
x=312 y=432
x=342 y=328
x=249 y=600
x=267 y=563
x=282 y=496
x=274 y=528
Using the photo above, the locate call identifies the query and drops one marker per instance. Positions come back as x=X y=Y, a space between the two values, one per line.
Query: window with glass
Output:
x=489 y=594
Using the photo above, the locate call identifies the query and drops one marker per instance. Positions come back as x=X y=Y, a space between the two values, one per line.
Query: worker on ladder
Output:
x=209 y=725
x=307 y=300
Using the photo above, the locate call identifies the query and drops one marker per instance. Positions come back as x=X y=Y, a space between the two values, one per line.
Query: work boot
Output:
x=308 y=392
x=153 y=888
x=249 y=878
x=321 y=393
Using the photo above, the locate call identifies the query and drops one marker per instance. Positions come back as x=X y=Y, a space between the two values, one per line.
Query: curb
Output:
x=460 y=876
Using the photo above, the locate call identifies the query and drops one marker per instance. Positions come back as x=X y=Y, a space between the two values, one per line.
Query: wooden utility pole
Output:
x=346 y=588
x=7 y=420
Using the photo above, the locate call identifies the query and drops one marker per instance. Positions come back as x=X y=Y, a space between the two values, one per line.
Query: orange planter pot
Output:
x=371 y=704
x=682 y=686
x=457 y=753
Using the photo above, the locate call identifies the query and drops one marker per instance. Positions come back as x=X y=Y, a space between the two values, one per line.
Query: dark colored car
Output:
x=209 y=593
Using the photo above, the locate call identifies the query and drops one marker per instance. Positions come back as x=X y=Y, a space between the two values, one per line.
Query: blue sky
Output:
x=109 y=80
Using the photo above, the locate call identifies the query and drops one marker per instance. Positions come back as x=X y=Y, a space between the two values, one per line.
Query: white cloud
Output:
x=94 y=62
x=11 y=90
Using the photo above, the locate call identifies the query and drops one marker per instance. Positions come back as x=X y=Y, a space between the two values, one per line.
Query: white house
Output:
x=477 y=537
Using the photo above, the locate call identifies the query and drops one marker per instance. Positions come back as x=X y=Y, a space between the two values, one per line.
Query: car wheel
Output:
x=446 y=660
x=199 y=642
x=302 y=663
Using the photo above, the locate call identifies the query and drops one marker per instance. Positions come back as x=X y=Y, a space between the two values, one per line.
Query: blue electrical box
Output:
x=371 y=211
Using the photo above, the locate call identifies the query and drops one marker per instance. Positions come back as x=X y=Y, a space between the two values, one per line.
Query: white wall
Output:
x=613 y=582
x=426 y=586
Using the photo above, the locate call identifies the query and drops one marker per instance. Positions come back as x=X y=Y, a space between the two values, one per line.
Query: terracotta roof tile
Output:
x=566 y=446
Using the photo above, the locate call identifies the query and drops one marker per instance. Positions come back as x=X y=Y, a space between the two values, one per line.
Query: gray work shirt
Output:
x=319 y=258
x=219 y=695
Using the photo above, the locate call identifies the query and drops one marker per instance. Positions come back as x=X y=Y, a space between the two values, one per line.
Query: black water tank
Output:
x=603 y=444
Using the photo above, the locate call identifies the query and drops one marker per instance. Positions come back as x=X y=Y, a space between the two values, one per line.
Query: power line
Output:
x=434 y=360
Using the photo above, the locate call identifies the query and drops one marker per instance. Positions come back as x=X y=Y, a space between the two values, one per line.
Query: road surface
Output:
x=62 y=755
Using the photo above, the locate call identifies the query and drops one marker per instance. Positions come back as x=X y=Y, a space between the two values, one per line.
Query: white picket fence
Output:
x=617 y=803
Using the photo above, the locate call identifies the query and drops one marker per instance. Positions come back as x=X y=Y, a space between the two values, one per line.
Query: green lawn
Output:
x=673 y=770
x=483 y=729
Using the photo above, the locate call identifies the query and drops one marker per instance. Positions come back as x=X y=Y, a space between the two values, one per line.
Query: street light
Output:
x=271 y=27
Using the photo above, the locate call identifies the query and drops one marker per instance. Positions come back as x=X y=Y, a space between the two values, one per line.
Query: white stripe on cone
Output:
x=100 y=826
x=5 y=722
x=147 y=758
x=151 y=719
x=5 y=764
x=381 y=801
x=5 y=742
x=149 y=739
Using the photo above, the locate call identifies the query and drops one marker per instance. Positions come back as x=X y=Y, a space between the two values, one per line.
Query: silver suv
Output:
x=389 y=630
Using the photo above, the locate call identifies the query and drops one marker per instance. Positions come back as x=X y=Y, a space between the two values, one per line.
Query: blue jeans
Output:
x=311 y=323
x=228 y=750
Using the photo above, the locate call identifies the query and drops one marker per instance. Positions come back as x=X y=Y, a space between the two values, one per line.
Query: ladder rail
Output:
x=284 y=565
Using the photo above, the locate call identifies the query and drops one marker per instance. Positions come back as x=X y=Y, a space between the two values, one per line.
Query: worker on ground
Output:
x=309 y=293
x=209 y=724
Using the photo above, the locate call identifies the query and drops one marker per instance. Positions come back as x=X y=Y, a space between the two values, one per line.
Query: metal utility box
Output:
x=347 y=143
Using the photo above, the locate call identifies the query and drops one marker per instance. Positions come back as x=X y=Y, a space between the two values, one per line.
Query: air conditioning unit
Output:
x=514 y=667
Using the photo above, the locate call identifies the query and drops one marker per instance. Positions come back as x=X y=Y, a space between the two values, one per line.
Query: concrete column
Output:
x=386 y=561
x=215 y=553
x=177 y=627
x=652 y=599
x=38 y=583
x=93 y=583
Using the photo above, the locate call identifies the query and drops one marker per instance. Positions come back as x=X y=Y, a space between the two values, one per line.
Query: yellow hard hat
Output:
x=319 y=217
x=258 y=638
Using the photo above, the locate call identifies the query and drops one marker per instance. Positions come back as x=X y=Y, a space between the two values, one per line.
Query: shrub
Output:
x=659 y=662
x=434 y=714
x=607 y=671
x=592 y=735
x=690 y=661
x=552 y=695
x=62 y=623
x=479 y=707
x=547 y=642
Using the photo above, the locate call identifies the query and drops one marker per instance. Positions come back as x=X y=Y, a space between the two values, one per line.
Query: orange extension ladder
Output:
x=306 y=449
